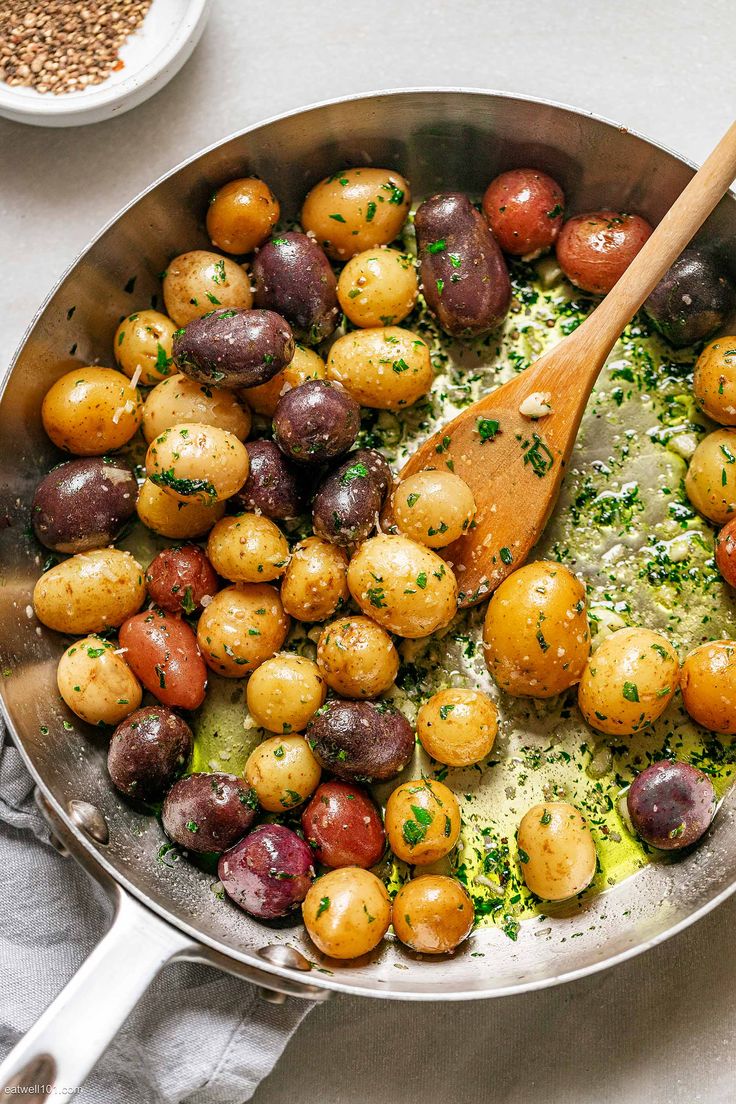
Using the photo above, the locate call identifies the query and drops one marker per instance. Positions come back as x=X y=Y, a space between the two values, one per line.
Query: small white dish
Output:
x=151 y=57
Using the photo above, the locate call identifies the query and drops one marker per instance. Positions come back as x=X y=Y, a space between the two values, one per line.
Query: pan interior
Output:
x=646 y=563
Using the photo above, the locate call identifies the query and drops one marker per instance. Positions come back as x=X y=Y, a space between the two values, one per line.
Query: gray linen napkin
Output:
x=197 y=1036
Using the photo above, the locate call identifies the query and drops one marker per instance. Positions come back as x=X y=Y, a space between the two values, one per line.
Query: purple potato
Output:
x=234 y=348
x=346 y=507
x=274 y=487
x=269 y=872
x=83 y=504
x=361 y=741
x=293 y=277
x=692 y=300
x=316 y=421
x=208 y=812
x=378 y=468
x=671 y=804
x=148 y=751
x=463 y=274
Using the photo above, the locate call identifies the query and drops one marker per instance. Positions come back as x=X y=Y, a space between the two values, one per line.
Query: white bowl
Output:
x=151 y=57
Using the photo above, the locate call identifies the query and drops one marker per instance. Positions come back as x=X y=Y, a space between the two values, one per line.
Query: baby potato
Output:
x=161 y=650
x=708 y=684
x=248 y=548
x=90 y=411
x=285 y=692
x=196 y=283
x=422 y=821
x=386 y=368
x=433 y=507
x=356 y=209
x=241 y=215
x=536 y=636
x=315 y=584
x=403 y=586
x=524 y=208
x=458 y=727
x=169 y=517
x=378 y=287
x=628 y=682
x=556 y=851
x=347 y=912
x=197 y=463
x=432 y=914
x=304 y=365
x=241 y=628
x=143 y=341
x=179 y=400
x=714 y=380
x=594 y=250
x=357 y=658
x=711 y=478
x=283 y=772
x=90 y=592
x=96 y=683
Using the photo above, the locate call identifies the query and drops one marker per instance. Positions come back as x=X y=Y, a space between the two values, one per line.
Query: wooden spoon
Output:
x=514 y=464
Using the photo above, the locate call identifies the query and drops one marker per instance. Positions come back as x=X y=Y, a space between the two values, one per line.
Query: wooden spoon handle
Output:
x=684 y=218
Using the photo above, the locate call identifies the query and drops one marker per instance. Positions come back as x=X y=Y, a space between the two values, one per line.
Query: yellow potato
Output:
x=714 y=380
x=241 y=628
x=357 y=658
x=142 y=345
x=556 y=851
x=315 y=583
x=628 y=681
x=196 y=283
x=305 y=365
x=194 y=462
x=241 y=215
x=90 y=411
x=708 y=684
x=422 y=821
x=248 y=548
x=387 y=368
x=378 y=287
x=285 y=693
x=433 y=507
x=432 y=914
x=96 y=682
x=90 y=592
x=176 y=520
x=403 y=586
x=356 y=209
x=179 y=400
x=536 y=636
x=347 y=912
x=283 y=772
x=711 y=478
x=458 y=727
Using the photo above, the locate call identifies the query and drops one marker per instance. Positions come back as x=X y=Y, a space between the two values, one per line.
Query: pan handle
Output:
x=66 y=1041
x=64 y=1044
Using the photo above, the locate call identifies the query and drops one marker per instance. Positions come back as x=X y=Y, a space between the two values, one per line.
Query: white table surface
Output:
x=661 y=1028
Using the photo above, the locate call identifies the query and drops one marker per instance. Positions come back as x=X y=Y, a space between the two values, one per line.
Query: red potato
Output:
x=343 y=826
x=179 y=578
x=594 y=250
x=726 y=552
x=163 y=653
x=524 y=208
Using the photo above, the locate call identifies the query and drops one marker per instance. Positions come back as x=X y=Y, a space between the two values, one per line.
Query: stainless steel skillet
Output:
x=448 y=139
